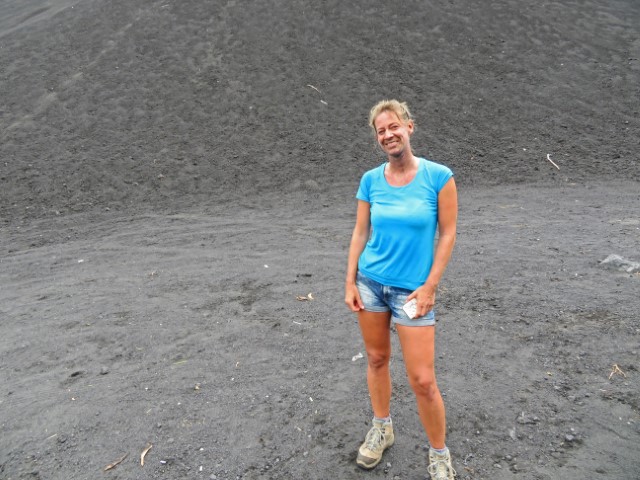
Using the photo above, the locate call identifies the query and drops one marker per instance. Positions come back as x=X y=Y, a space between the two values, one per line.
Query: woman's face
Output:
x=392 y=133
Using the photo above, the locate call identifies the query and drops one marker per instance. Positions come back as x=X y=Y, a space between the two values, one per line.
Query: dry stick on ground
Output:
x=317 y=90
x=552 y=162
x=616 y=370
x=116 y=463
x=144 y=452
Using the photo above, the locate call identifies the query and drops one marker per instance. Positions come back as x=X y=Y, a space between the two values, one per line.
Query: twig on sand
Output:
x=144 y=453
x=318 y=90
x=552 y=162
x=616 y=370
x=116 y=463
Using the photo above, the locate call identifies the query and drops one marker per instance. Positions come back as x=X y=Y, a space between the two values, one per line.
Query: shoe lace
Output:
x=374 y=439
x=439 y=470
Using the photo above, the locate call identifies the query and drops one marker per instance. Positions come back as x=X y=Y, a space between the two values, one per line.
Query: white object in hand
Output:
x=410 y=308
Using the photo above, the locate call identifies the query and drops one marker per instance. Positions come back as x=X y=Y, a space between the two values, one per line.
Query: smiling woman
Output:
x=392 y=262
x=392 y=123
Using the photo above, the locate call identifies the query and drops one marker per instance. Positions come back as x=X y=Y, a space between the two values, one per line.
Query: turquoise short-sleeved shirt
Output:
x=404 y=219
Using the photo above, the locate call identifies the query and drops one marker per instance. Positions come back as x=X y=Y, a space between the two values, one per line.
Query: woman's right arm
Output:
x=359 y=239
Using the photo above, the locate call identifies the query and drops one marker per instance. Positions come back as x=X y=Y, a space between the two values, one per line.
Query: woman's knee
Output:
x=424 y=385
x=378 y=360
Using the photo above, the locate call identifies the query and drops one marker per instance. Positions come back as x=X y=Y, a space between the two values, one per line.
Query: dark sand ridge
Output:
x=174 y=174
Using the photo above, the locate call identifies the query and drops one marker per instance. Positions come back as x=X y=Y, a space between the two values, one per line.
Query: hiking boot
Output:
x=379 y=438
x=440 y=466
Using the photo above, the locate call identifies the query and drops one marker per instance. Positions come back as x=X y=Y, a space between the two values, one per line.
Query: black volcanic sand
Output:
x=174 y=175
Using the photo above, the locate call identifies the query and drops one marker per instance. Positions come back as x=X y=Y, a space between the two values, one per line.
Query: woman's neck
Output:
x=399 y=172
x=402 y=163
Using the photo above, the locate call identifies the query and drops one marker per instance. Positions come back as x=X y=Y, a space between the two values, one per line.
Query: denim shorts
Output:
x=380 y=298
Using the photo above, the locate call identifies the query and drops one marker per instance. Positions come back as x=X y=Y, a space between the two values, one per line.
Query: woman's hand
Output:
x=425 y=297
x=352 y=298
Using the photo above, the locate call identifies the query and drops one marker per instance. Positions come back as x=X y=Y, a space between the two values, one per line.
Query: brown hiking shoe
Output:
x=440 y=466
x=379 y=438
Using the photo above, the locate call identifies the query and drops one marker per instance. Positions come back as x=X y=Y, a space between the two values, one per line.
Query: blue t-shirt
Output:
x=399 y=252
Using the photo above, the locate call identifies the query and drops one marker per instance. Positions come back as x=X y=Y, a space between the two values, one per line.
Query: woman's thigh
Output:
x=376 y=332
x=418 y=351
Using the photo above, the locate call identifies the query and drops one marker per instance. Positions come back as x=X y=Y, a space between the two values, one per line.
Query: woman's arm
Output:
x=359 y=239
x=447 y=220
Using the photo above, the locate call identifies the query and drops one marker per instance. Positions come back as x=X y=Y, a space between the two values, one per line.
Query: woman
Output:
x=391 y=262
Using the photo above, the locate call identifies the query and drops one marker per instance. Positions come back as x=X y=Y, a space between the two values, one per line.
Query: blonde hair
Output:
x=401 y=109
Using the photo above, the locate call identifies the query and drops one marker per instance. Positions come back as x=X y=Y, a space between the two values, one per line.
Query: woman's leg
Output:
x=377 y=341
x=418 y=346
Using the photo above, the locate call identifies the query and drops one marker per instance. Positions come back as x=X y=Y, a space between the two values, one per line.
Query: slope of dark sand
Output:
x=174 y=175
x=125 y=104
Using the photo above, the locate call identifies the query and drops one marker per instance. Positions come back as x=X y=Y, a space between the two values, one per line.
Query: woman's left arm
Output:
x=447 y=220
